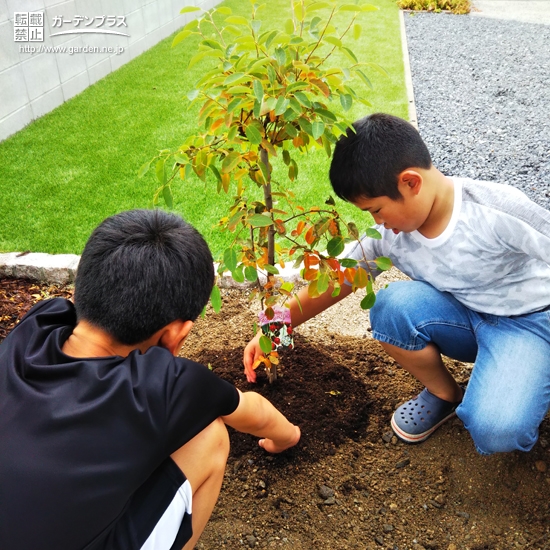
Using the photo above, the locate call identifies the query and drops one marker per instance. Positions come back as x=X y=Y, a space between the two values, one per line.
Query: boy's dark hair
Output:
x=141 y=270
x=367 y=162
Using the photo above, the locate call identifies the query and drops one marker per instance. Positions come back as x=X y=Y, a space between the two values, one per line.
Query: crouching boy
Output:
x=478 y=254
x=108 y=439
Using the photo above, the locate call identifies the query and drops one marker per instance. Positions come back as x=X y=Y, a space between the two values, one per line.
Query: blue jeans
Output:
x=508 y=394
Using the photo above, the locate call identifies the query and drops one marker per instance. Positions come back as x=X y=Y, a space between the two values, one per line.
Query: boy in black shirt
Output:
x=108 y=439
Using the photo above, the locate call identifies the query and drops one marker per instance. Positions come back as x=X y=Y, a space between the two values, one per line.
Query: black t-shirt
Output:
x=79 y=436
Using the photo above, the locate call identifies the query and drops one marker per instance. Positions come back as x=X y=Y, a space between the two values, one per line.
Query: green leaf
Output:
x=303 y=99
x=364 y=78
x=256 y=26
x=253 y=135
x=289 y=26
x=281 y=105
x=348 y=262
x=258 y=64
x=237 y=20
x=230 y=259
x=193 y=94
x=251 y=273
x=335 y=246
x=180 y=36
x=286 y=157
x=212 y=44
x=200 y=56
x=234 y=90
x=160 y=171
x=383 y=263
x=216 y=299
x=224 y=10
x=369 y=7
x=167 y=195
x=144 y=169
x=323 y=283
x=326 y=114
x=296 y=86
x=280 y=56
x=230 y=161
x=317 y=129
x=238 y=274
x=318 y=6
x=373 y=233
x=270 y=38
x=271 y=269
x=259 y=220
x=327 y=146
x=350 y=54
x=353 y=231
x=189 y=9
x=368 y=301
x=258 y=90
x=265 y=344
x=333 y=40
x=291 y=130
x=350 y=7
x=215 y=171
x=357 y=31
x=346 y=101
x=236 y=77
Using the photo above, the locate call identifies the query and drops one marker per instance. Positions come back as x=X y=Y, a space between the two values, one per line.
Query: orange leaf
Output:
x=333 y=228
x=310 y=235
x=349 y=274
x=216 y=124
x=310 y=260
x=310 y=274
x=334 y=264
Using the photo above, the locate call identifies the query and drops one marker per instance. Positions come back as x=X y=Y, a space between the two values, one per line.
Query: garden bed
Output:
x=349 y=483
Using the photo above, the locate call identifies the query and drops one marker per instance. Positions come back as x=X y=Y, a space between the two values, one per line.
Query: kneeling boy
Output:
x=108 y=439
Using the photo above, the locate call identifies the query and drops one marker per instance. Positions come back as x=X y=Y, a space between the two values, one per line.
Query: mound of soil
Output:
x=349 y=483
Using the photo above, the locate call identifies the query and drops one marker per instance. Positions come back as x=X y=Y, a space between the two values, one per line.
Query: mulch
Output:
x=17 y=296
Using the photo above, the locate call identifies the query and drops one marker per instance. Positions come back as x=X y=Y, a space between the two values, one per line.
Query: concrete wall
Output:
x=33 y=82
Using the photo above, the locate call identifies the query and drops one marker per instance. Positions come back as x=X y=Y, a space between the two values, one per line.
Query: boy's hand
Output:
x=251 y=352
x=272 y=447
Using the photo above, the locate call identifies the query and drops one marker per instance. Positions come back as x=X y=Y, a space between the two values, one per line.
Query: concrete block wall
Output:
x=32 y=83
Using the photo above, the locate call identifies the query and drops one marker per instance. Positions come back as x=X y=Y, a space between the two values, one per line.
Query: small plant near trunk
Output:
x=273 y=95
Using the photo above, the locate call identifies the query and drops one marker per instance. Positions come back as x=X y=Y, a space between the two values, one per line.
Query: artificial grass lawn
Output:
x=75 y=166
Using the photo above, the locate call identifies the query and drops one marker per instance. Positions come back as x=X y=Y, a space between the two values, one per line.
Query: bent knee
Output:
x=208 y=450
x=217 y=439
x=498 y=434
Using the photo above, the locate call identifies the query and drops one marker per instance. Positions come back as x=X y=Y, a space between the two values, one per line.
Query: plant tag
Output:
x=278 y=329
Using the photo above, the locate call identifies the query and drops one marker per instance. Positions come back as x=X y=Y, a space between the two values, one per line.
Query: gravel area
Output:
x=482 y=94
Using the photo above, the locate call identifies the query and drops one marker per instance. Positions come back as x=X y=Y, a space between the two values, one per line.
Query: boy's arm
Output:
x=300 y=311
x=257 y=416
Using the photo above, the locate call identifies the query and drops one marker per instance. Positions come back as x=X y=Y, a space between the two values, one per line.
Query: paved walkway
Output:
x=527 y=11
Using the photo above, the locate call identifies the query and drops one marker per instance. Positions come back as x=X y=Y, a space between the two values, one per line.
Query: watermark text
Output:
x=71 y=50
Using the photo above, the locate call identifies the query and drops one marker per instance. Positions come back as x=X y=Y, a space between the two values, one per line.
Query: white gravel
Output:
x=482 y=94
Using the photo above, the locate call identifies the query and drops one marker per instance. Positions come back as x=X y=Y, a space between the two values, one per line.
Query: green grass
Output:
x=75 y=166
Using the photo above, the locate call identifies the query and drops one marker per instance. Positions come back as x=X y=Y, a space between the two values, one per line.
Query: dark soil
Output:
x=349 y=483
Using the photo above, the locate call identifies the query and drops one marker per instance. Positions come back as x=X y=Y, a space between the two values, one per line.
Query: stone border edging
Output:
x=61 y=269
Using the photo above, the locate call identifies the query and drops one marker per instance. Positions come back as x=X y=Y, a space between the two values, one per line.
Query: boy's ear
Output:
x=173 y=335
x=409 y=180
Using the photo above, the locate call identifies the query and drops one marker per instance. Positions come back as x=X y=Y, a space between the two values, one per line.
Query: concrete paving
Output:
x=526 y=11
